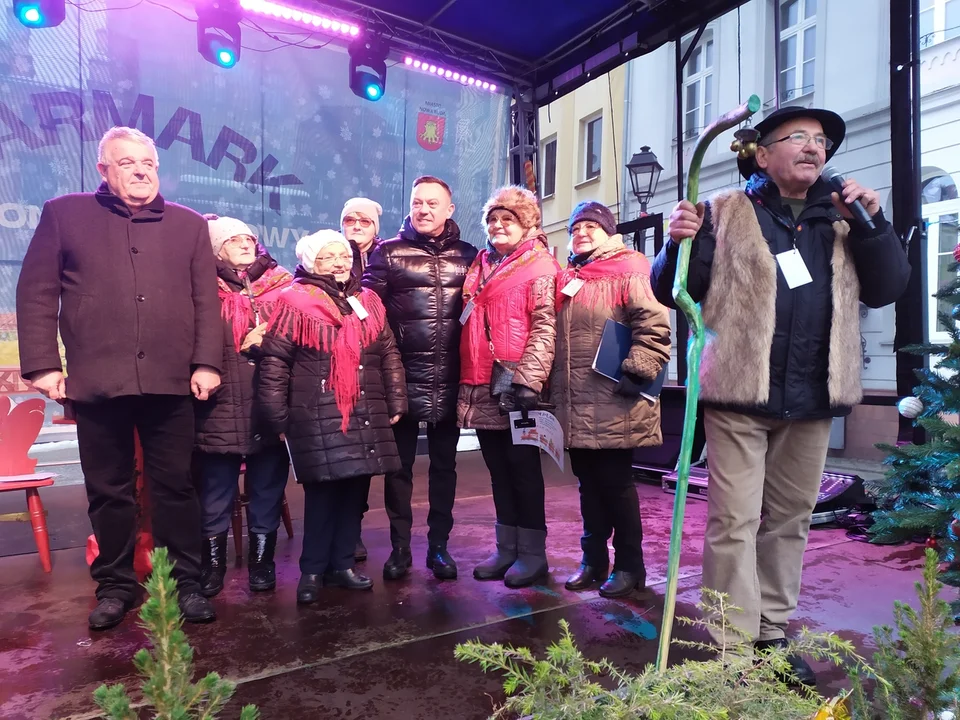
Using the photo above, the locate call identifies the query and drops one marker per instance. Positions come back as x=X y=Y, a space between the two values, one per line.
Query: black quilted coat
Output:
x=229 y=422
x=420 y=280
x=295 y=399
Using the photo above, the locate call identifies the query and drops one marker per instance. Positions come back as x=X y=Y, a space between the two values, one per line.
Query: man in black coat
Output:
x=781 y=270
x=419 y=275
x=130 y=282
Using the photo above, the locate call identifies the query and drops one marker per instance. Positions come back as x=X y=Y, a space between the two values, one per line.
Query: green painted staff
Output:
x=694 y=350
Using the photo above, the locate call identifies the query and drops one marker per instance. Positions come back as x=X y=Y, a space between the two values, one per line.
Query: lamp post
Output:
x=644 y=175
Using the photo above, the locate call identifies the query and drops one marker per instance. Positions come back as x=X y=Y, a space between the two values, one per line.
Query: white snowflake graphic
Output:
x=125 y=84
x=378 y=155
x=301 y=101
x=292 y=149
x=306 y=210
x=377 y=131
x=355 y=180
x=275 y=143
x=337 y=159
x=59 y=167
x=195 y=84
x=331 y=174
x=356 y=111
x=345 y=132
x=375 y=180
x=322 y=217
x=311 y=165
x=290 y=210
x=397 y=177
x=222 y=206
x=421 y=165
x=317 y=118
x=324 y=92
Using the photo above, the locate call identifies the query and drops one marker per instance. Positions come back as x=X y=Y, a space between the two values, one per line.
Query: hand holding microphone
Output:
x=852 y=201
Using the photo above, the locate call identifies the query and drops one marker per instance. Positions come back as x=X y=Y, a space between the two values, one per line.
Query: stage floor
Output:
x=389 y=653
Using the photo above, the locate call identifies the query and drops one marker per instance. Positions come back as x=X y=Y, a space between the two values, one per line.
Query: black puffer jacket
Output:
x=801 y=339
x=229 y=422
x=420 y=280
x=296 y=399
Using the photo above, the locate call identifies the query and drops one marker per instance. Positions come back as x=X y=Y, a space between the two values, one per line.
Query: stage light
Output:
x=40 y=13
x=368 y=68
x=300 y=17
x=448 y=74
x=218 y=33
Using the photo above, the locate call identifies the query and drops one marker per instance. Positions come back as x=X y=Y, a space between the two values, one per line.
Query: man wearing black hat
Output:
x=780 y=269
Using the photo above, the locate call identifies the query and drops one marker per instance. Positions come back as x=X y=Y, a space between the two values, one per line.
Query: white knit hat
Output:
x=363 y=205
x=223 y=228
x=309 y=246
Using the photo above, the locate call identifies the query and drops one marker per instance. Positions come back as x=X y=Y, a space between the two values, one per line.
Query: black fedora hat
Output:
x=833 y=127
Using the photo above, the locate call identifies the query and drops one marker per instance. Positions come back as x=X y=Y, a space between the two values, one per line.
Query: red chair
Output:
x=242 y=501
x=20 y=425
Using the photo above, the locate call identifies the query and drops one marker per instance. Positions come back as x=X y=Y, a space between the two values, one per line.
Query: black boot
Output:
x=214 y=564
x=360 y=554
x=621 y=583
x=801 y=672
x=308 y=589
x=108 y=613
x=586 y=576
x=197 y=609
x=531 y=565
x=263 y=572
x=398 y=564
x=496 y=566
x=347 y=579
x=439 y=560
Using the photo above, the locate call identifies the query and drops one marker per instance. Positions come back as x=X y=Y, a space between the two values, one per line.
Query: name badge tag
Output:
x=467 y=312
x=362 y=314
x=793 y=268
x=572 y=287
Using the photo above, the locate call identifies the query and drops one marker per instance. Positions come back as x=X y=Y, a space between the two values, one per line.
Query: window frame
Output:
x=700 y=77
x=585 y=134
x=552 y=140
x=797 y=31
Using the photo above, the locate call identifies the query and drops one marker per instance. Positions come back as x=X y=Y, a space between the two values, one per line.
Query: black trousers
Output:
x=105 y=438
x=442 y=438
x=517 y=480
x=609 y=505
x=331 y=524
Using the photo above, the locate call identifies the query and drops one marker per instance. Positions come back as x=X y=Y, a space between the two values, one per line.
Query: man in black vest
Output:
x=781 y=270
x=131 y=284
x=419 y=275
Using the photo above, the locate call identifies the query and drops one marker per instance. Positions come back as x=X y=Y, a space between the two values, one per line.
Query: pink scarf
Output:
x=238 y=308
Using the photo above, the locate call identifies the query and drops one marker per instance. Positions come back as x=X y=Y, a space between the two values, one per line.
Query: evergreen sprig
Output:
x=167 y=669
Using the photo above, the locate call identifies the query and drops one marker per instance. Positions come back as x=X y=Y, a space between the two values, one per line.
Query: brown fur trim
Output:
x=739 y=309
x=520 y=201
x=846 y=356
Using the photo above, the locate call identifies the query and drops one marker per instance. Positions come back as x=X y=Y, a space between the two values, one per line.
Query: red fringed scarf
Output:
x=606 y=281
x=310 y=317
x=237 y=307
x=510 y=288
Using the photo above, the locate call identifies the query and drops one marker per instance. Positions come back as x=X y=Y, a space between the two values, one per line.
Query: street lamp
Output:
x=644 y=175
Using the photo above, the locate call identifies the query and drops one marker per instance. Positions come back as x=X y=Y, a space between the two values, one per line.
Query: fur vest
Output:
x=739 y=311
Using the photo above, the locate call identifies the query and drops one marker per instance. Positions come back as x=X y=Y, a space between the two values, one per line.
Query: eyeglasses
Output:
x=345 y=259
x=801 y=138
x=240 y=240
x=584 y=228
x=361 y=221
x=504 y=220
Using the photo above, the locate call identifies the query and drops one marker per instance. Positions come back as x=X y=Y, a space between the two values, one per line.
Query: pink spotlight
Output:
x=456 y=76
x=463 y=79
x=335 y=26
x=416 y=64
x=486 y=86
x=493 y=88
x=296 y=15
x=316 y=21
x=448 y=74
x=408 y=60
x=286 y=13
x=325 y=24
x=433 y=68
x=354 y=30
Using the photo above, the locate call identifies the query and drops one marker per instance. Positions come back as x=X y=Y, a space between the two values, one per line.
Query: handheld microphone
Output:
x=834 y=179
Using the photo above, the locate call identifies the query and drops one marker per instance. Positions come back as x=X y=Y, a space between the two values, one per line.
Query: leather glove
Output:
x=630 y=385
x=524 y=398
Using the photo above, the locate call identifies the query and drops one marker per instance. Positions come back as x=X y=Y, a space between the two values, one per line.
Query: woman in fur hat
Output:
x=604 y=420
x=510 y=318
x=332 y=381
x=228 y=431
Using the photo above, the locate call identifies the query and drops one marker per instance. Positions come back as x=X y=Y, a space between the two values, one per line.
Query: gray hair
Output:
x=125 y=133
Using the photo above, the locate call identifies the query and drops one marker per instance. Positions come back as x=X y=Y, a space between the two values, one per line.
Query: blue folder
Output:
x=613 y=349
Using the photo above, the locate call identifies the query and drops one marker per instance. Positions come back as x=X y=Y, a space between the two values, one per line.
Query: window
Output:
x=698 y=89
x=798 y=47
x=549 y=173
x=592 y=134
x=939 y=21
x=941 y=210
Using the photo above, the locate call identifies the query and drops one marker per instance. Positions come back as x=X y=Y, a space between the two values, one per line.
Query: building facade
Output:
x=832 y=54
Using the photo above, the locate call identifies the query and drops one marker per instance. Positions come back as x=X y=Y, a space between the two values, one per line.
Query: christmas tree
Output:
x=921 y=495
